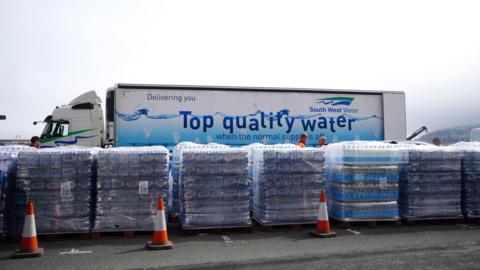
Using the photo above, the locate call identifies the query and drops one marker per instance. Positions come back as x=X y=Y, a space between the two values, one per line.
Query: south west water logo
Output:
x=335 y=101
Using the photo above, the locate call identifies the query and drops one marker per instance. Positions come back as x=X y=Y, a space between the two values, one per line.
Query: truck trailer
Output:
x=140 y=115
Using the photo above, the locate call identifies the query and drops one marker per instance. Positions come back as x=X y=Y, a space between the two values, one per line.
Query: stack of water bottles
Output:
x=174 y=178
x=129 y=182
x=251 y=148
x=430 y=182
x=59 y=182
x=6 y=163
x=213 y=188
x=8 y=172
x=287 y=183
x=362 y=181
x=471 y=182
x=2 y=202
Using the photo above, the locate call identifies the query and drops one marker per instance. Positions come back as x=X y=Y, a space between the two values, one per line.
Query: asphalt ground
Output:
x=454 y=246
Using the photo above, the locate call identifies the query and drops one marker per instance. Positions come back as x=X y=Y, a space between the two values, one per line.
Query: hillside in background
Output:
x=450 y=135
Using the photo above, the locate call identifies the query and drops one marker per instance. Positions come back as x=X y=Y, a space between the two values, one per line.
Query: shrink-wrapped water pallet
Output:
x=430 y=183
x=362 y=181
x=470 y=178
x=59 y=182
x=287 y=183
x=129 y=182
x=251 y=148
x=213 y=188
x=8 y=173
x=174 y=176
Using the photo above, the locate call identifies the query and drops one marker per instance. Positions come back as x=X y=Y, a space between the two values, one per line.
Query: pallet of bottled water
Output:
x=8 y=157
x=213 y=188
x=363 y=211
x=8 y=173
x=251 y=148
x=129 y=182
x=59 y=182
x=470 y=178
x=471 y=183
x=362 y=181
x=287 y=183
x=3 y=180
x=430 y=183
x=174 y=176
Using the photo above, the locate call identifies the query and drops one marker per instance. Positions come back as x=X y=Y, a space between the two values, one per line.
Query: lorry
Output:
x=141 y=115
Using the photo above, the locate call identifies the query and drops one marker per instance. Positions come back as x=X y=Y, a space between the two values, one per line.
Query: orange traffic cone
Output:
x=29 y=245
x=323 y=225
x=160 y=236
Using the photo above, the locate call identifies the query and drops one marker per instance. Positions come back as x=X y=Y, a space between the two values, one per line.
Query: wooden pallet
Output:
x=63 y=236
x=474 y=220
x=226 y=230
x=97 y=235
x=267 y=227
x=433 y=221
x=342 y=224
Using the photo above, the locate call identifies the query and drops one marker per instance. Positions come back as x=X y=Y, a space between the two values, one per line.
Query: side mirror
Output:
x=35 y=123
x=3 y=117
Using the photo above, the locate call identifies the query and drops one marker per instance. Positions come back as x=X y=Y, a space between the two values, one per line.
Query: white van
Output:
x=475 y=135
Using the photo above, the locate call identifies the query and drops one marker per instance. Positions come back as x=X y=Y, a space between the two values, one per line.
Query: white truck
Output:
x=138 y=115
x=475 y=135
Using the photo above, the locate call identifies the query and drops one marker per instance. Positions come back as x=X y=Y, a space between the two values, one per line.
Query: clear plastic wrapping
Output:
x=287 y=182
x=251 y=148
x=129 y=182
x=59 y=182
x=3 y=201
x=363 y=191
x=174 y=176
x=362 y=180
x=8 y=172
x=430 y=182
x=470 y=178
x=357 y=211
x=213 y=188
x=362 y=152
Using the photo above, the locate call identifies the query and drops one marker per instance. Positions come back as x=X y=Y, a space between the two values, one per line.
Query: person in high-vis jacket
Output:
x=303 y=140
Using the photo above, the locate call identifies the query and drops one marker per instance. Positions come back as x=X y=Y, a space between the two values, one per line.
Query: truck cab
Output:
x=78 y=123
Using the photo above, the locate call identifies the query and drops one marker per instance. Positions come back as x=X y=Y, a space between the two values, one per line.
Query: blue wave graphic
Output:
x=356 y=118
x=342 y=103
x=58 y=143
x=145 y=112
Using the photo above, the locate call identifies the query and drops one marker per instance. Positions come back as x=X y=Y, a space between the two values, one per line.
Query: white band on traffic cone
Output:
x=322 y=212
x=160 y=224
x=29 y=229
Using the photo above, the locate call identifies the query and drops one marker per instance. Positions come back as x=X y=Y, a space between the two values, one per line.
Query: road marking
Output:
x=467 y=227
x=227 y=239
x=352 y=231
x=75 y=251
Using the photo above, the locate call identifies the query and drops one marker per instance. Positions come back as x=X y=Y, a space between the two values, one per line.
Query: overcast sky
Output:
x=52 y=51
